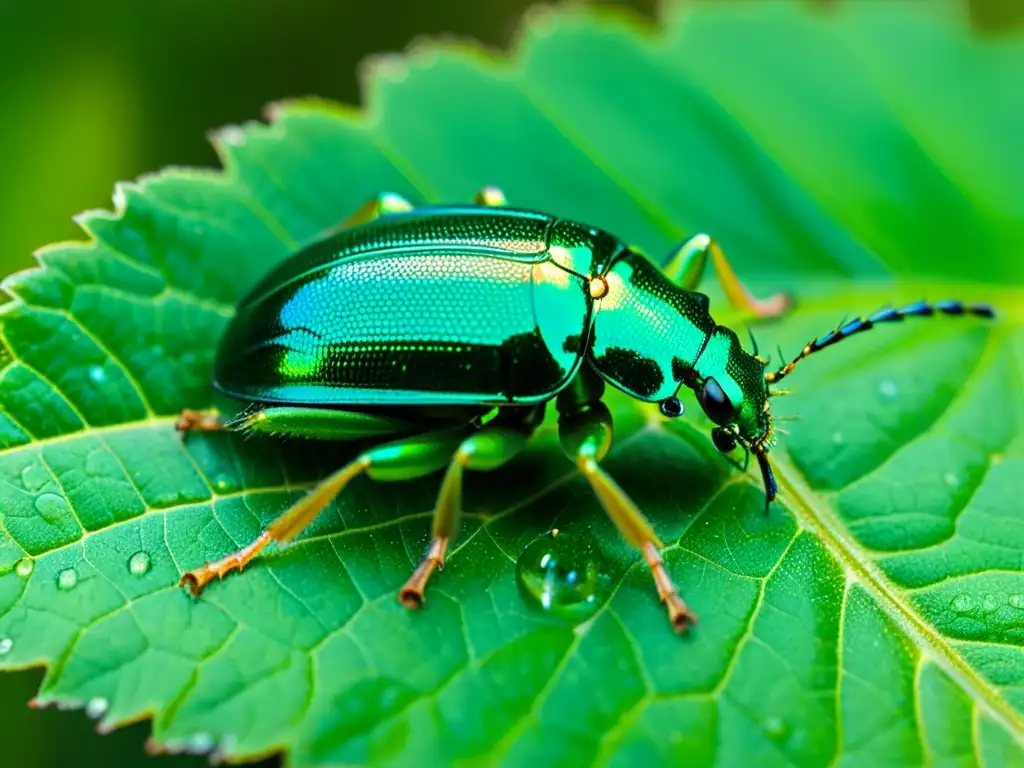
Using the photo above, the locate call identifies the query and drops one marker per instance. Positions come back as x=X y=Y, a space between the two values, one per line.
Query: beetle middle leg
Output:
x=585 y=431
x=687 y=265
x=496 y=443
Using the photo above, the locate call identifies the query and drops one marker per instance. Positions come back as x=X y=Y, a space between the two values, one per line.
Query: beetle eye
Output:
x=715 y=402
x=724 y=440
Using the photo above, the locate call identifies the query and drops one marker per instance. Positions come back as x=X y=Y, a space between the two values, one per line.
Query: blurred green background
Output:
x=95 y=92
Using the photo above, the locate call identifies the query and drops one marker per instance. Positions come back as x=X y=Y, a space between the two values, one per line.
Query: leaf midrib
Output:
x=817 y=516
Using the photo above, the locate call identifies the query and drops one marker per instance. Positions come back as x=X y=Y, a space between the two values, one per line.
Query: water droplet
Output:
x=888 y=389
x=5 y=645
x=24 y=567
x=989 y=603
x=963 y=603
x=837 y=438
x=139 y=563
x=97 y=375
x=200 y=744
x=775 y=728
x=222 y=482
x=97 y=707
x=1017 y=601
x=34 y=477
x=563 y=574
x=51 y=506
x=951 y=479
x=67 y=579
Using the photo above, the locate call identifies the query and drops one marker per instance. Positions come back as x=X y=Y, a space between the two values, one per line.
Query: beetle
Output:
x=440 y=334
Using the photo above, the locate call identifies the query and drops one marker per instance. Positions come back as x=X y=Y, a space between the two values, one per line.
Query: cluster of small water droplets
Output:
x=988 y=603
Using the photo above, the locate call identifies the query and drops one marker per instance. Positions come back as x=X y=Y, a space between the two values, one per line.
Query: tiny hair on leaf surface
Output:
x=876 y=614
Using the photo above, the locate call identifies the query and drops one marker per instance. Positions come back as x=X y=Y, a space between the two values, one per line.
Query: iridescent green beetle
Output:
x=449 y=329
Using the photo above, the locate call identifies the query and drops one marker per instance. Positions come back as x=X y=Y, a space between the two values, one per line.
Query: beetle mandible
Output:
x=448 y=329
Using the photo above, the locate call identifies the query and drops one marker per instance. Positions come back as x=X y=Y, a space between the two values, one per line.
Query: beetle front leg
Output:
x=585 y=431
x=686 y=267
x=494 y=445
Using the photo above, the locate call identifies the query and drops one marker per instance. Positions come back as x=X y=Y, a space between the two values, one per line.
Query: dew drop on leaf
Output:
x=989 y=603
x=24 y=567
x=51 y=506
x=97 y=707
x=775 y=728
x=200 y=744
x=963 y=603
x=887 y=389
x=222 y=483
x=139 y=563
x=563 y=574
x=1017 y=601
x=5 y=645
x=67 y=579
x=97 y=375
x=34 y=477
x=951 y=479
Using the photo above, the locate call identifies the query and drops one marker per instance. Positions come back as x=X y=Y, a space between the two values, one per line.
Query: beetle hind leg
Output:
x=686 y=267
x=402 y=459
x=200 y=421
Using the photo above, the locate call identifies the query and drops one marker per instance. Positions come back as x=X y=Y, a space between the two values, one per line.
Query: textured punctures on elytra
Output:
x=439 y=336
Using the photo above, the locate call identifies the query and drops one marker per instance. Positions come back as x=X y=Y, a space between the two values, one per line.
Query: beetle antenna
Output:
x=887 y=315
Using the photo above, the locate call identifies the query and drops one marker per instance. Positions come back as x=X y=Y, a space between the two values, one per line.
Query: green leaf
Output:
x=875 y=616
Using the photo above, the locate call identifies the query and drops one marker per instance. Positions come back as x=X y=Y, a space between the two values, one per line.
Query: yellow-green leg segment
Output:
x=585 y=432
x=496 y=443
x=686 y=267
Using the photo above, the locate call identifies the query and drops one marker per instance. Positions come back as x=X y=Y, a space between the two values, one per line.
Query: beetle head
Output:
x=729 y=383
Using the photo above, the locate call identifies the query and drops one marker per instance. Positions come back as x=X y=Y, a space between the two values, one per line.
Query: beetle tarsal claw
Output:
x=411 y=593
x=679 y=613
x=195 y=581
x=199 y=421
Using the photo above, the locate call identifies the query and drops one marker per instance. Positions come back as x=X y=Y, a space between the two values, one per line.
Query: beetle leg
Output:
x=377 y=206
x=585 y=431
x=199 y=421
x=490 y=196
x=496 y=443
x=404 y=459
x=686 y=267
